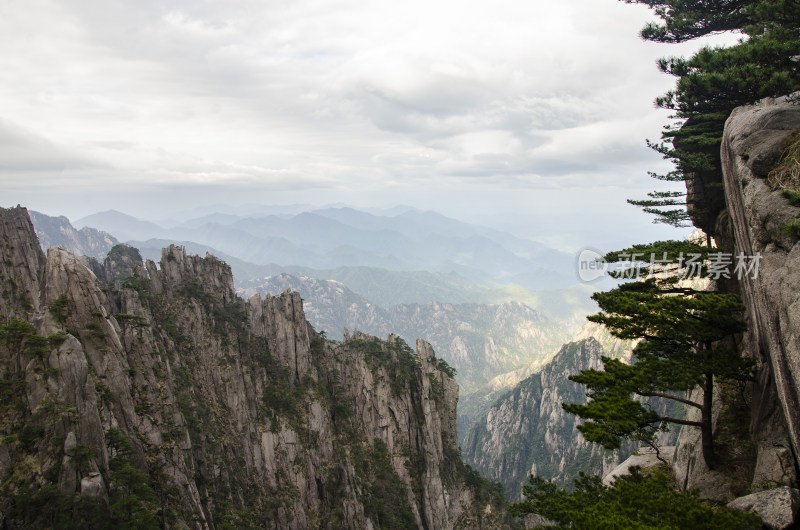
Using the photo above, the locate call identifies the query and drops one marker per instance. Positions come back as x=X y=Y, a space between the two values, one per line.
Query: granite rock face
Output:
x=237 y=412
x=58 y=232
x=752 y=225
x=754 y=138
x=777 y=507
x=528 y=432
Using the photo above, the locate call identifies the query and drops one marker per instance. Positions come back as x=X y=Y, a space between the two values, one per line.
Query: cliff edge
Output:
x=752 y=225
x=151 y=394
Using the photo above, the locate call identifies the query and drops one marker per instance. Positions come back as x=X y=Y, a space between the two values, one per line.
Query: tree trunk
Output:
x=707 y=428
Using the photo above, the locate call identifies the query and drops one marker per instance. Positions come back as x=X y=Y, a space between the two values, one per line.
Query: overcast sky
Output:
x=527 y=112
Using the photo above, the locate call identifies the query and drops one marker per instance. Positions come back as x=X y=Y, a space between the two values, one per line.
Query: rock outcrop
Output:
x=777 y=508
x=752 y=225
x=217 y=412
x=58 y=232
x=754 y=138
x=527 y=432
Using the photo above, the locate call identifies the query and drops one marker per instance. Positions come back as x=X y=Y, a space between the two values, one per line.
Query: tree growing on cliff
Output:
x=682 y=332
x=711 y=84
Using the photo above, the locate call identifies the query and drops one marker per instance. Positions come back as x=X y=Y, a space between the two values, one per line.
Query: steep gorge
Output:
x=231 y=413
x=527 y=432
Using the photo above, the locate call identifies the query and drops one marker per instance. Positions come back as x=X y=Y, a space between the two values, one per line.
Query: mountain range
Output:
x=498 y=337
x=138 y=395
x=344 y=237
x=493 y=336
x=481 y=340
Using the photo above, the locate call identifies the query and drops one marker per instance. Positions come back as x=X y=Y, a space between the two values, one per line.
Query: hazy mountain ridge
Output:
x=331 y=238
x=526 y=431
x=415 y=257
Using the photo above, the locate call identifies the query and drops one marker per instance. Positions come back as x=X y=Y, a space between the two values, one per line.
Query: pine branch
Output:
x=670 y=396
x=681 y=422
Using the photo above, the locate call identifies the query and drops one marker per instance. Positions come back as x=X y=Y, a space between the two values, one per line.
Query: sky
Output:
x=528 y=115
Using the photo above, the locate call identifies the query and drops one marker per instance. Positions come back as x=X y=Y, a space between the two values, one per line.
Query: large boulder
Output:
x=777 y=507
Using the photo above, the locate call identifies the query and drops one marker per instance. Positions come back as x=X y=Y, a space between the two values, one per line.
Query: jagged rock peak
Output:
x=121 y=262
x=225 y=411
x=23 y=263
x=211 y=274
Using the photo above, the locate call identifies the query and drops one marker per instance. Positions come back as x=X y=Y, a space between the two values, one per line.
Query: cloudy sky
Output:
x=530 y=113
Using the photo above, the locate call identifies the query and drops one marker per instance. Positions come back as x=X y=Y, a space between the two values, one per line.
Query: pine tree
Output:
x=682 y=332
x=637 y=500
x=711 y=84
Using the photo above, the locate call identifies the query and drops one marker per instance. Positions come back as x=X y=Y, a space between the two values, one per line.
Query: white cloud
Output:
x=339 y=96
x=23 y=151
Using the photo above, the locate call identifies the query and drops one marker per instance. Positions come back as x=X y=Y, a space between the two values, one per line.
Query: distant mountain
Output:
x=526 y=431
x=58 y=232
x=123 y=226
x=387 y=287
x=480 y=340
x=569 y=306
x=374 y=276
x=476 y=405
x=344 y=237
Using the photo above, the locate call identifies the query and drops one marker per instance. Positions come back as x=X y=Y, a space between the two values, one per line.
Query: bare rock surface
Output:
x=754 y=139
x=643 y=457
x=777 y=508
x=751 y=226
x=237 y=412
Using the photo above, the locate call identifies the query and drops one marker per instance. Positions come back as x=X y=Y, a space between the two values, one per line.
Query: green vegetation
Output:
x=786 y=177
x=132 y=503
x=792 y=196
x=792 y=228
x=95 y=330
x=385 y=499
x=442 y=365
x=124 y=318
x=397 y=358
x=636 y=501
x=59 y=309
x=682 y=332
x=226 y=316
x=31 y=497
x=20 y=338
x=437 y=388
x=710 y=85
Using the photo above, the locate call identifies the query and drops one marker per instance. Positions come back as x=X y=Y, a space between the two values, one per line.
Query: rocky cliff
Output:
x=752 y=224
x=58 y=232
x=480 y=340
x=153 y=394
x=754 y=140
x=527 y=432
